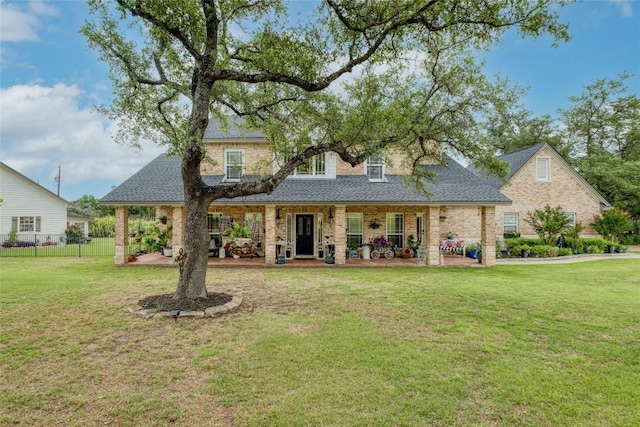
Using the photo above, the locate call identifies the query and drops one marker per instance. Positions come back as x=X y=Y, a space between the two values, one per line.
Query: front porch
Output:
x=213 y=262
x=309 y=231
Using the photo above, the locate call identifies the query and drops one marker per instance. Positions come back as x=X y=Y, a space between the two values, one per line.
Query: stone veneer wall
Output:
x=465 y=222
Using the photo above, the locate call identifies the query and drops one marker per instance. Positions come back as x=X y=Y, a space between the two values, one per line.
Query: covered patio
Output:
x=448 y=260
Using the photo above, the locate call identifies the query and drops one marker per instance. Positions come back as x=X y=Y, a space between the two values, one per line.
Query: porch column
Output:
x=270 y=234
x=122 y=235
x=488 y=236
x=340 y=233
x=177 y=221
x=433 y=235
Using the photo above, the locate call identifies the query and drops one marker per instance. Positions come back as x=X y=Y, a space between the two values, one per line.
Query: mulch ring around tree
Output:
x=166 y=302
x=165 y=305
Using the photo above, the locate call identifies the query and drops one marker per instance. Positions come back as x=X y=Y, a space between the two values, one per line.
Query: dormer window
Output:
x=375 y=167
x=234 y=165
x=314 y=167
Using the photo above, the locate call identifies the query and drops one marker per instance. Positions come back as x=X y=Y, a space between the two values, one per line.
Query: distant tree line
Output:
x=598 y=134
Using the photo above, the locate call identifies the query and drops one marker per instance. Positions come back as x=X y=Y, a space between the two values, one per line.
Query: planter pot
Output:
x=612 y=249
x=353 y=254
x=280 y=260
x=525 y=253
x=366 y=252
x=167 y=252
x=222 y=253
x=407 y=253
x=330 y=260
x=473 y=253
x=236 y=256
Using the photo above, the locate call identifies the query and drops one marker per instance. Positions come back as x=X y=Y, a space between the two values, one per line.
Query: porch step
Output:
x=304 y=257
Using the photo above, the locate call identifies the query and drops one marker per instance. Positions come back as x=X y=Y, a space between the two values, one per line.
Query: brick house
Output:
x=539 y=176
x=327 y=204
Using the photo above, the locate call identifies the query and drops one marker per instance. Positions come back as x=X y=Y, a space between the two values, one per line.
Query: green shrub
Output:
x=544 y=251
x=593 y=249
x=630 y=239
x=575 y=245
x=518 y=241
x=601 y=244
x=565 y=252
x=548 y=223
x=612 y=224
x=74 y=235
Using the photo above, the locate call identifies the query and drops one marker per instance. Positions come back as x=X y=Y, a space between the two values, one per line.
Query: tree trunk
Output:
x=192 y=283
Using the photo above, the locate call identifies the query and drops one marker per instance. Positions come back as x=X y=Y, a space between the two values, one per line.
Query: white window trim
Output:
x=314 y=169
x=547 y=176
x=572 y=219
x=227 y=165
x=400 y=233
x=504 y=223
x=357 y=233
x=382 y=164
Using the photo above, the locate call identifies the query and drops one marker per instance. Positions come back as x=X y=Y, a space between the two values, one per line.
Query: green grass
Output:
x=98 y=246
x=535 y=345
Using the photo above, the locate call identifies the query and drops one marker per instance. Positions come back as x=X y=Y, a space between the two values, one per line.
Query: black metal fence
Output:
x=58 y=245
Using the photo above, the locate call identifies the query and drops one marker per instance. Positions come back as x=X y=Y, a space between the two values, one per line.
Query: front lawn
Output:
x=534 y=345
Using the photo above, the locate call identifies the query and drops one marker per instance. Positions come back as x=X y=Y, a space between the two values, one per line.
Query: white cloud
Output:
x=20 y=21
x=626 y=8
x=43 y=127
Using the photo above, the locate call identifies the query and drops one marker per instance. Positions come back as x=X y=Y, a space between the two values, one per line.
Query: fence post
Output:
x=79 y=245
x=35 y=246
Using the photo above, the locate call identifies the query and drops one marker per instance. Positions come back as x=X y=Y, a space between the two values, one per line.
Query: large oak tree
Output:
x=347 y=76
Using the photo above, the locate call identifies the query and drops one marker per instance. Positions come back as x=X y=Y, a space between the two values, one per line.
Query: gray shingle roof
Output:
x=160 y=182
x=516 y=161
x=236 y=130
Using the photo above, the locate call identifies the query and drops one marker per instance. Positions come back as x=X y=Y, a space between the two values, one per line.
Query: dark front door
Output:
x=304 y=235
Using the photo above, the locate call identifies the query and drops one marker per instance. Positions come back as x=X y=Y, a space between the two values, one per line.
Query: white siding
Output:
x=22 y=197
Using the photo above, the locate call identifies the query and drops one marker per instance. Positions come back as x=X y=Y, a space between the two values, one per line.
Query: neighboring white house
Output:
x=29 y=208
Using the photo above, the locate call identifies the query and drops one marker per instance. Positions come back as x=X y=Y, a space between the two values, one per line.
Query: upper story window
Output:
x=314 y=167
x=375 y=167
x=542 y=169
x=233 y=165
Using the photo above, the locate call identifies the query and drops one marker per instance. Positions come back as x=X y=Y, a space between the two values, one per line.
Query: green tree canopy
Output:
x=177 y=63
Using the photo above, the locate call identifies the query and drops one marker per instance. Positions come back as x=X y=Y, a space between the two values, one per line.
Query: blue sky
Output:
x=49 y=80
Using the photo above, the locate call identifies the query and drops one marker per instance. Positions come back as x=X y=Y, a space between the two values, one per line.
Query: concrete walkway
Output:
x=574 y=258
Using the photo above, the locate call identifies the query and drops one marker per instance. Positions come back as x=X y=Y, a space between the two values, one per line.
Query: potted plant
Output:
x=413 y=244
x=525 y=250
x=353 y=251
x=451 y=236
x=331 y=249
x=163 y=219
x=473 y=251
x=164 y=241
